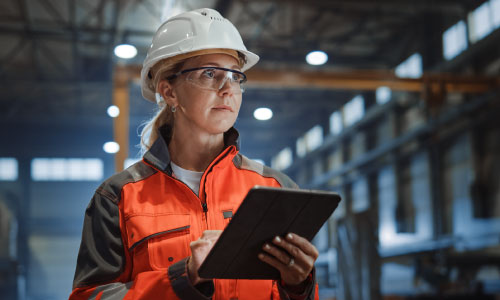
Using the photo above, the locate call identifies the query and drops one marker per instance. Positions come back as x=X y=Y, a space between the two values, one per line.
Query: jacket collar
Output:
x=159 y=156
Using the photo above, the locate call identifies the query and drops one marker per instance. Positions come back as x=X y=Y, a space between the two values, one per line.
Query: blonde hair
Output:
x=163 y=115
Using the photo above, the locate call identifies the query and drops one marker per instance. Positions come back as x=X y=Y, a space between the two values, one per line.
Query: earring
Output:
x=173 y=109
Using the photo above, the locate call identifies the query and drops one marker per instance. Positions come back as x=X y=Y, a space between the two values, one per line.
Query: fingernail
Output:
x=266 y=246
x=261 y=256
x=277 y=239
x=289 y=236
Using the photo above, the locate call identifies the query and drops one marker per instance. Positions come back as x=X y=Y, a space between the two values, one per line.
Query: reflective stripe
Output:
x=242 y=162
x=112 y=291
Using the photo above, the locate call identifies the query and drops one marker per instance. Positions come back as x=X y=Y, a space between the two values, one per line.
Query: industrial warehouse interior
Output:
x=393 y=104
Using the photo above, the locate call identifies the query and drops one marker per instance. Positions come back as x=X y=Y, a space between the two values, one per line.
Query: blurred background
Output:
x=394 y=104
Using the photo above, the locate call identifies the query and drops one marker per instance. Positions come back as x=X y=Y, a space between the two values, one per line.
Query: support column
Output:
x=121 y=123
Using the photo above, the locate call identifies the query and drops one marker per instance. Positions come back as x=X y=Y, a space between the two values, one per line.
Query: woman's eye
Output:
x=209 y=73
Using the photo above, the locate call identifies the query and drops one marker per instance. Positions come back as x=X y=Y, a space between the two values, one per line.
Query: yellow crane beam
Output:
x=370 y=80
x=362 y=80
x=429 y=84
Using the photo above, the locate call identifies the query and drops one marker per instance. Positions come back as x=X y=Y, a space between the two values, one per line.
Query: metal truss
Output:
x=449 y=7
x=286 y=31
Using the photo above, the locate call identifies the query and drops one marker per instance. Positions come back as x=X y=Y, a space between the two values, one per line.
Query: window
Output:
x=360 y=195
x=353 y=111
x=336 y=123
x=311 y=140
x=66 y=169
x=383 y=94
x=283 y=159
x=314 y=138
x=454 y=40
x=301 y=147
x=411 y=67
x=8 y=169
x=495 y=12
x=480 y=22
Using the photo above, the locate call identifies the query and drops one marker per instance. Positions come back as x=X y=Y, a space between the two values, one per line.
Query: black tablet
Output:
x=265 y=213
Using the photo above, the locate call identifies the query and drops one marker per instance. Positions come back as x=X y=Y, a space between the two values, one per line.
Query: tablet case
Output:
x=265 y=213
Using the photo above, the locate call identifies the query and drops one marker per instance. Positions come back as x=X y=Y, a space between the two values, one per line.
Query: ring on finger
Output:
x=291 y=262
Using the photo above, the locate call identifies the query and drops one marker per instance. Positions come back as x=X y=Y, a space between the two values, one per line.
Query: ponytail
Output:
x=163 y=115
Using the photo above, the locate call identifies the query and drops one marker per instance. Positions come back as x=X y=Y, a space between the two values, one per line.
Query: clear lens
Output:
x=215 y=78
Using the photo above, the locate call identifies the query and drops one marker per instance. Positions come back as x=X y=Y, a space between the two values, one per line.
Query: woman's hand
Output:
x=199 y=251
x=293 y=256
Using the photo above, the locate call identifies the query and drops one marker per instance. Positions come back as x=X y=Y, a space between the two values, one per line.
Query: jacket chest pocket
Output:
x=166 y=238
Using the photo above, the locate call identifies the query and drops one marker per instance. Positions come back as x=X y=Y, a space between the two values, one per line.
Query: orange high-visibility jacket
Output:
x=139 y=224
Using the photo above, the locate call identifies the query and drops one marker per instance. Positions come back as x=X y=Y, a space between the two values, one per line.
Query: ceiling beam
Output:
x=370 y=80
x=223 y=6
x=54 y=13
x=9 y=58
x=357 y=80
x=448 y=7
x=66 y=33
x=264 y=21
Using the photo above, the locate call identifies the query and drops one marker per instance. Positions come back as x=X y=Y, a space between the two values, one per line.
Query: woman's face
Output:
x=210 y=111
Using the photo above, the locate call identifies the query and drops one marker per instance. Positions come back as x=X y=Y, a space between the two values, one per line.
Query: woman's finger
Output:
x=284 y=268
x=288 y=256
x=302 y=243
x=292 y=250
x=211 y=235
x=280 y=255
x=199 y=251
x=273 y=261
x=292 y=275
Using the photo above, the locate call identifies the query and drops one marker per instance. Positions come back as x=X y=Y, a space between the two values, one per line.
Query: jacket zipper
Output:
x=203 y=205
x=215 y=162
x=211 y=166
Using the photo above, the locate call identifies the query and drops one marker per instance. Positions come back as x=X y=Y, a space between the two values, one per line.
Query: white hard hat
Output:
x=190 y=32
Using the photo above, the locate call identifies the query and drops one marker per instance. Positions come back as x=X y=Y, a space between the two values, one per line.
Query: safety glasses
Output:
x=214 y=78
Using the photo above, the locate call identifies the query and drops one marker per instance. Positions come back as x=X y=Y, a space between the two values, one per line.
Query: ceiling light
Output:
x=263 y=113
x=316 y=58
x=111 y=147
x=113 y=111
x=125 y=51
x=383 y=94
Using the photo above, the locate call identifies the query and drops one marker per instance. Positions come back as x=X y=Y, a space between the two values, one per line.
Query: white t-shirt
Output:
x=190 y=178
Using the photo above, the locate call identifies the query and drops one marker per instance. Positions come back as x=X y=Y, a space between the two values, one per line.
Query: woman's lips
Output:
x=223 y=107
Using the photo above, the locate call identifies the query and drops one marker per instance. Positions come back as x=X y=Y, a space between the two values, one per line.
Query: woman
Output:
x=148 y=229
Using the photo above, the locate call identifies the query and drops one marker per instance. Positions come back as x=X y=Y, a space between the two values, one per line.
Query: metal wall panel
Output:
x=360 y=195
x=56 y=219
x=52 y=266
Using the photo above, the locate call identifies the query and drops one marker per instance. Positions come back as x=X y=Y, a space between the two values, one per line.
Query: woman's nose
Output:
x=226 y=88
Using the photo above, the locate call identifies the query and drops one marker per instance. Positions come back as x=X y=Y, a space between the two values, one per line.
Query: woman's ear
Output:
x=166 y=90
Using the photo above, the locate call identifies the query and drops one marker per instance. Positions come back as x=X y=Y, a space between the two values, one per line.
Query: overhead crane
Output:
x=432 y=86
